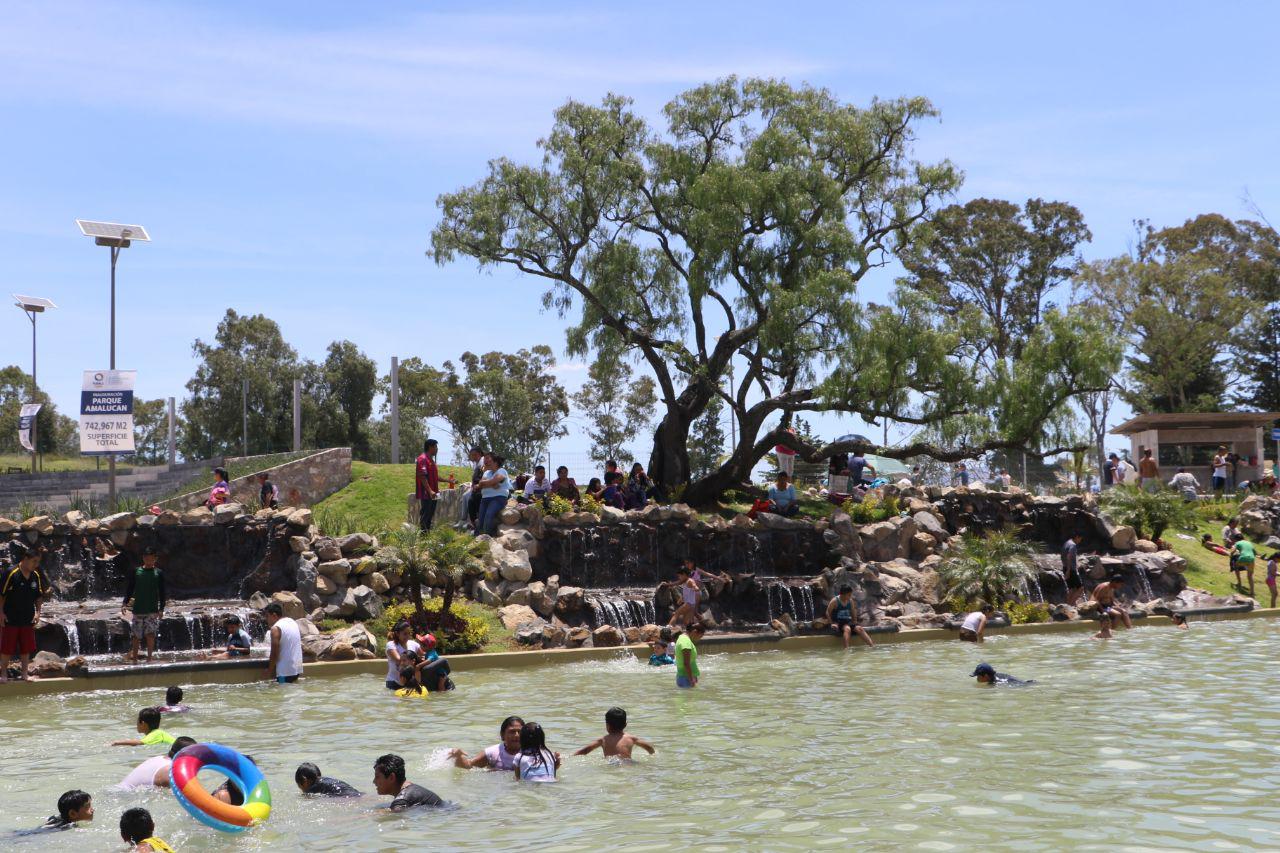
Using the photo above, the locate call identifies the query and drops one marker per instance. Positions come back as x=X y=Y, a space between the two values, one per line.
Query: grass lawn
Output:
x=1207 y=570
x=813 y=508
x=375 y=499
x=50 y=462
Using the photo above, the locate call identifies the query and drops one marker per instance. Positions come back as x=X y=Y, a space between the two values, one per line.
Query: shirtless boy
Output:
x=616 y=742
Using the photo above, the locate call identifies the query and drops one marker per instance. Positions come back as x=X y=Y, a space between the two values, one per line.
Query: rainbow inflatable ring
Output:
x=242 y=772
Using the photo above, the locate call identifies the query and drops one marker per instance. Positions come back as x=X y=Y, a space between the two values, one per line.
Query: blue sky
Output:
x=286 y=157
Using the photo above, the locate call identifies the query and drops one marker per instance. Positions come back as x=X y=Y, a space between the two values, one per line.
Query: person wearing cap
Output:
x=144 y=600
x=1108 y=605
x=221 y=491
x=433 y=670
x=21 y=594
x=988 y=677
x=238 y=642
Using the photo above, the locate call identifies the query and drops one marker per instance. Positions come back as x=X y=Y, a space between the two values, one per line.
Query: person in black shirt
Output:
x=389 y=780
x=268 y=493
x=311 y=783
x=21 y=594
x=73 y=807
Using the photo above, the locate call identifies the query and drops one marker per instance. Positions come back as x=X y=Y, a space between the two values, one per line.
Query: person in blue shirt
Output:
x=782 y=497
x=495 y=486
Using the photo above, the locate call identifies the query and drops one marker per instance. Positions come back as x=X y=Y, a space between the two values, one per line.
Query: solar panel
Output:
x=33 y=303
x=113 y=230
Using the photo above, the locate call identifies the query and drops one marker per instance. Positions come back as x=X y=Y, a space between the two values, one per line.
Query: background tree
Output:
x=995 y=266
x=55 y=433
x=249 y=347
x=741 y=235
x=510 y=402
x=615 y=407
x=150 y=432
x=339 y=399
x=707 y=440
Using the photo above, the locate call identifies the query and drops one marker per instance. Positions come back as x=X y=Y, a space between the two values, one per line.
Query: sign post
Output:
x=106 y=413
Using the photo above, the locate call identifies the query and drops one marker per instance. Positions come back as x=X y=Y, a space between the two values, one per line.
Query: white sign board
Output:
x=106 y=412
x=26 y=418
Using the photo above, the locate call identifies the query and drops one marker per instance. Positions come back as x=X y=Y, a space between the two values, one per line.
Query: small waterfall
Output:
x=73 y=636
x=806 y=599
x=192 y=629
x=1032 y=590
x=1146 y=582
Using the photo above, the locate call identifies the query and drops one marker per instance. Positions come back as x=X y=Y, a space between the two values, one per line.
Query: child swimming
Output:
x=412 y=686
x=536 y=763
x=137 y=829
x=149 y=728
x=658 y=654
x=309 y=781
x=173 y=702
x=616 y=741
x=73 y=807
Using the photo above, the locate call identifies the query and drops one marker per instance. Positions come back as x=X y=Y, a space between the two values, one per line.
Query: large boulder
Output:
x=531 y=633
x=341 y=605
x=514 y=566
x=326 y=548
x=611 y=515
x=259 y=600
x=336 y=570
x=325 y=586
x=378 y=583
x=518 y=596
x=121 y=521
x=570 y=600
x=298 y=544
x=486 y=594
x=47 y=665
x=227 y=513
x=607 y=635
x=356 y=543
x=848 y=540
x=198 y=517
x=1255 y=522
x=576 y=637
x=300 y=518
x=922 y=545
x=368 y=603
x=306 y=581
x=515 y=615
x=927 y=522
x=290 y=603
x=770 y=521
x=880 y=541
x=8 y=525
x=43 y=524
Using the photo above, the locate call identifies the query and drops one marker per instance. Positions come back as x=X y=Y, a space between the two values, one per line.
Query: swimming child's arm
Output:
x=595 y=744
x=130 y=742
x=643 y=744
x=460 y=760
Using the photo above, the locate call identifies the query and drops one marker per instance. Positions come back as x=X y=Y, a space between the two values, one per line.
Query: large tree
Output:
x=615 y=407
x=55 y=432
x=508 y=402
x=244 y=347
x=339 y=399
x=150 y=432
x=740 y=236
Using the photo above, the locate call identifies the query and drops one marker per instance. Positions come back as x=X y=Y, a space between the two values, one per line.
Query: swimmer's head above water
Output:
x=985 y=673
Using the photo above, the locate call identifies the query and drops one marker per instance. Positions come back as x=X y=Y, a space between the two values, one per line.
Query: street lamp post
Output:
x=33 y=306
x=116 y=237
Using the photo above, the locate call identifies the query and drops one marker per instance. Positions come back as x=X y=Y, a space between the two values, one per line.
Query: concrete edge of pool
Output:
x=245 y=672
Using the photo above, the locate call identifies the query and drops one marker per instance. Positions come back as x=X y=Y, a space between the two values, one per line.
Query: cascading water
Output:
x=1146 y=582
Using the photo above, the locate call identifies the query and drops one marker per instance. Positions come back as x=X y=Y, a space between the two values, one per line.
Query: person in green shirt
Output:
x=146 y=592
x=149 y=728
x=687 y=655
x=1243 y=554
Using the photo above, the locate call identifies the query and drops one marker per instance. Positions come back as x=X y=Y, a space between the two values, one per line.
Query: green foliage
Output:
x=339 y=398
x=510 y=403
x=871 y=509
x=151 y=432
x=1217 y=509
x=615 y=407
x=375 y=500
x=992 y=567
x=590 y=504
x=1148 y=513
x=1023 y=612
x=55 y=433
x=333 y=521
x=558 y=505
x=328 y=626
x=707 y=440
x=470 y=630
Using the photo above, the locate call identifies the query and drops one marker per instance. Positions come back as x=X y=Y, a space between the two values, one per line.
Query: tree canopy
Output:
x=737 y=237
x=615 y=407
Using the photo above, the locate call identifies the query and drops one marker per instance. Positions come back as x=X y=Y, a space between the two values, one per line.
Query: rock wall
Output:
x=302 y=482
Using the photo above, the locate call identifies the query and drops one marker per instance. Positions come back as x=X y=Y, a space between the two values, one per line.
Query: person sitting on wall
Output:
x=221 y=491
x=639 y=488
x=537 y=487
x=612 y=494
x=595 y=489
x=1108 y=604
x=782 y=497
x=565 y=487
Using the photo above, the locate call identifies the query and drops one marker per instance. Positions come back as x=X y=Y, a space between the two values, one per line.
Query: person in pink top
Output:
x=786 y=457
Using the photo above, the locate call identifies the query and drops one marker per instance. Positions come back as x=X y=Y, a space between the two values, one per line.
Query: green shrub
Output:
x=1023 y=612
x=466 y=630
x=1148 y=513
x=557 y=506
x=590 y=504
x=992 y=567
x=871 y=509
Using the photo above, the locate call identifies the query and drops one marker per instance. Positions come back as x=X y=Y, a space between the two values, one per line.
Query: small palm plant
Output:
x=991 y=567
x=407 y=544
x=1150 y=514
x=453 y=554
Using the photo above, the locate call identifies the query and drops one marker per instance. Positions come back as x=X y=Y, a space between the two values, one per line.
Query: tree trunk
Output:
x=448 y=599
x=669 y=460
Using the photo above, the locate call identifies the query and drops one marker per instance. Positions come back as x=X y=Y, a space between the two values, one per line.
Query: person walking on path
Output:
x=285 y=663
x=145 y=597
x=427 y=483
x=1148 y=471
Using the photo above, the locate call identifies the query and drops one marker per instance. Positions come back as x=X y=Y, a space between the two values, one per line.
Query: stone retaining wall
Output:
x=302 y=482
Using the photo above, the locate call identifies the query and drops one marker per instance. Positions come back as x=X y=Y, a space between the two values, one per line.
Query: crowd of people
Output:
x=1224 y=475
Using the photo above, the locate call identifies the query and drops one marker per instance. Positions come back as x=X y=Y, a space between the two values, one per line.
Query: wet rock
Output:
x=368 y=603
x=1063 y=613
x=576 y=637
x=570 y=600
x=259 y=600
x=514 y=615
x=356 y=543
x=783 y=624
x=650 y=633
x=606 y=636
x=553 y=636
x=291 y=604
x=47 y=665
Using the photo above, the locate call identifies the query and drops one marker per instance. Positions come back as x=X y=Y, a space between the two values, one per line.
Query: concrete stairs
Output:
x=55 y=491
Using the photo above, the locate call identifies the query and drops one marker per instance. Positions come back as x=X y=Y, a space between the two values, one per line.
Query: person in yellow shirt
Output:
x=149 y=728
x=136 y=828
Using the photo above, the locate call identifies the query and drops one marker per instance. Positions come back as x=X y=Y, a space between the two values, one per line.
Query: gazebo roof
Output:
x=1195 y=420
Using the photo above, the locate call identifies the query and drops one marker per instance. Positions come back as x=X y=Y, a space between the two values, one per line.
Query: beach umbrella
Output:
x=853 y=436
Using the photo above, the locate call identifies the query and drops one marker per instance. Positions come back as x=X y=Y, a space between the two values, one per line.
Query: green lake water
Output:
x=1159 y=739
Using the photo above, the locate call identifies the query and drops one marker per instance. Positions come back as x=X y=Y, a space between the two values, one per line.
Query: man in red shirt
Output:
x=427 y=482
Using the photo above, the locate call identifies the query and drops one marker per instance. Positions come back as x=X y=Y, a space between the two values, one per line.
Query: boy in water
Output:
x=238 y=643
x=309 y=781
x=73 y=807
x=658 y=654
x=173 y=702
x=137 y=828
x=987 y=675
x=1108 y=604
x=616 y=742
x=149 y=728
x=145 y=597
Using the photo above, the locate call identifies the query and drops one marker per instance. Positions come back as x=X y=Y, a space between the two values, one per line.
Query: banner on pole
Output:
x=106 y=412
x=27 y=417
